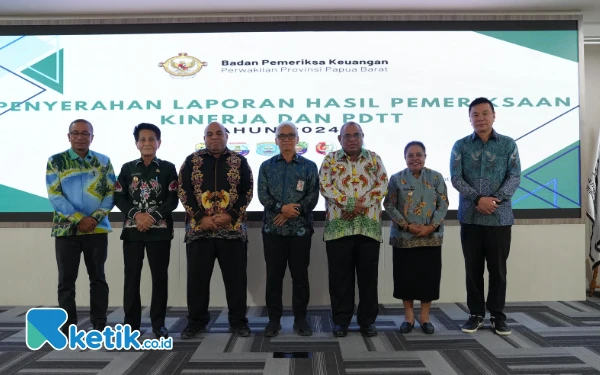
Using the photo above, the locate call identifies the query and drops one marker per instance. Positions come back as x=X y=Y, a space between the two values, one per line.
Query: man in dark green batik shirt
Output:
x=486 y=171
x=146 y=193
x=288 y=188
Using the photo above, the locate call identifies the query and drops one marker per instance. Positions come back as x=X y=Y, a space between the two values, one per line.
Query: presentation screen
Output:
x=399 y=85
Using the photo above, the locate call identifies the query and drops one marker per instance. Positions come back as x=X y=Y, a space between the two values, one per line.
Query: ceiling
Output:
x=47 y=8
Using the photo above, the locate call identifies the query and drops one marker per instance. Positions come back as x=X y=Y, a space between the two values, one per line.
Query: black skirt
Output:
x=417 y=273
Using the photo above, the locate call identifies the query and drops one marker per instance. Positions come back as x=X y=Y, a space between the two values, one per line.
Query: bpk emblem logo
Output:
x=182 y=66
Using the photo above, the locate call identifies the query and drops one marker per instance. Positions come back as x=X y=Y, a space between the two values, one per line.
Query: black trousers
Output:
x=159 y=254
x=68 y=255
x=346 y=256
x=281 y=252
x=233 y=257
x=480 y=244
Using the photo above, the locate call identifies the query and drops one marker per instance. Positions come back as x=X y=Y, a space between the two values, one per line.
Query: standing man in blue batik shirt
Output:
x=288 y=188
x=146 y=193
x=80 y=185
x=486 y=171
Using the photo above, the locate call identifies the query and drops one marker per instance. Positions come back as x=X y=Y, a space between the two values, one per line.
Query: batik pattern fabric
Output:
x=487 y=169
x=281 y=183
x=416 y=200
x=342 y=183
x=150 y=189
x=209 y=186
x=78 y=188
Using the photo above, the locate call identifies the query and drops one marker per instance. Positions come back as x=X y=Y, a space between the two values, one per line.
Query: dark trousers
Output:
x=233 y=257
x=281 y=252
x=159 y=253
x=345 y=256
x=480 y=244
x=68 y=255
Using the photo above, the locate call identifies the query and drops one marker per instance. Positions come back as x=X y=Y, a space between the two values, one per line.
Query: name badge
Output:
x=300 y=185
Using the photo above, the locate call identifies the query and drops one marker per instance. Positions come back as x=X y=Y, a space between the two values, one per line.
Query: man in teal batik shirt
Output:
x=486 y=171
x=288 y=188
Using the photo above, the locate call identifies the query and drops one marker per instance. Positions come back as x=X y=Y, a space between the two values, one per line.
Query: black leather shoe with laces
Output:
x=272 y=328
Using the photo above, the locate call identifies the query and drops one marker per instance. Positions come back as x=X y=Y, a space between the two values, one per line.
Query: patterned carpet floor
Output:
x=547 y=338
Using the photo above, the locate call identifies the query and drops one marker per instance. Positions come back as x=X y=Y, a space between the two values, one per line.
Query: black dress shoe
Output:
x=369 y=330
x=272 y=328
x=427 y=327
x=161 y=332
x=302 y=328
x=340 y=331
x=192 y=331
x=406 y=327
x=241 y=331
x=99 y=327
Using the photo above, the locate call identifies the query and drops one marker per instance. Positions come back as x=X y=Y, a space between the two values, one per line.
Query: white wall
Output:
x=545 y=263
x=591 y=115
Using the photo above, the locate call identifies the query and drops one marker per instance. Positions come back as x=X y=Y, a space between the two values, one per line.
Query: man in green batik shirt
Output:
x=353 y=182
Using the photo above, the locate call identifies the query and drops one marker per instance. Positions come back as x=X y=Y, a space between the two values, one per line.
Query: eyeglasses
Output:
x=349 y=136
x=290 y=136
x=78 y=134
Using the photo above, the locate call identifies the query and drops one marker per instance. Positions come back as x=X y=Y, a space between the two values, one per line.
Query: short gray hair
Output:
x=284 y=124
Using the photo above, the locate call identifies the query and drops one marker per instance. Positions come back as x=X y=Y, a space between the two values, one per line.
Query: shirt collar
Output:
x=73 y=155
x=295 y=158
x=155 y=160
x=340 y=154
x=475 y=136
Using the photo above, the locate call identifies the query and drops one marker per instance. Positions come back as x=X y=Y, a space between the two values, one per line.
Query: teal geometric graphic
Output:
x=16 y=52
x=552 y=183
x=559 y=43
x=14 y=200
x=48 y=71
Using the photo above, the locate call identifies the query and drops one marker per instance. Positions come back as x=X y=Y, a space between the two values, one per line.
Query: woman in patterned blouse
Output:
x=417 y=202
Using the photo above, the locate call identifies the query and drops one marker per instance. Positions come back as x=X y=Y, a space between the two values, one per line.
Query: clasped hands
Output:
x=215 y=222
x=87 y=224
x=359 y=209
x=143 y=221
x=288 y=212
x=420 y=230
x=487 y=205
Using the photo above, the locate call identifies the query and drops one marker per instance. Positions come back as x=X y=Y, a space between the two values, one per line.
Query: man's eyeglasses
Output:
x=290 y=136
x=78 y=134
x=349 y=136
